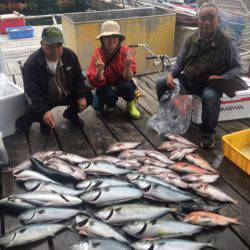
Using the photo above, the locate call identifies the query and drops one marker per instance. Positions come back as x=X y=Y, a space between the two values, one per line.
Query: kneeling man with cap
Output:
x=52 y=77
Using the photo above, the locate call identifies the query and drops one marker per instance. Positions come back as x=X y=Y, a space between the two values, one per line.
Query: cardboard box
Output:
x=231 y=108
x=12 y=106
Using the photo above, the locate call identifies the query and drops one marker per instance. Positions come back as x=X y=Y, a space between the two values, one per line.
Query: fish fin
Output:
x=235 y=202
x=239 y=222
x=211 y=243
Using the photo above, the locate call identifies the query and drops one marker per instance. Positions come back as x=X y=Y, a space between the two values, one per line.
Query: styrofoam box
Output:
x=230 y=109
x=11 y=107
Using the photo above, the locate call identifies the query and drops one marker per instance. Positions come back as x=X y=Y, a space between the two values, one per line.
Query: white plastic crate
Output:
x=230 y=109
x=12 y=105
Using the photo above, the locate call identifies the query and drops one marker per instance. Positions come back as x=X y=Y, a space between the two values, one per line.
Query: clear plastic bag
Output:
x=6 y=88
x=175 y=113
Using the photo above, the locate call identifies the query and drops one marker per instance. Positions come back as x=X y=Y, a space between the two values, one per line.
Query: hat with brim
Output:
x=52 y=35
x=110 y=28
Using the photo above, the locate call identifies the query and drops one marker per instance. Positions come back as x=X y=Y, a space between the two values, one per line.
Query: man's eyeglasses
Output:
x=208 y=17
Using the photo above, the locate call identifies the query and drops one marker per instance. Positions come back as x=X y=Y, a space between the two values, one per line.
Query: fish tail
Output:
x=237 y=221
x=213 y=246
x=236 y=202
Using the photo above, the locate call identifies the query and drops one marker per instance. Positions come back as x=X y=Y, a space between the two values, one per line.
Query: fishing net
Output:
x=174 y=114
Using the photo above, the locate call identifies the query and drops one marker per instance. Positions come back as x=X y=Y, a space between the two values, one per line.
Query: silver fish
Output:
x=89 y=226
x=179 y=154
x=47 y=214
x=173 y=179
x=131 y=212
x=46 y=155
x=179 y=138
x=171 y=145
x=121 y=146
x=10 y=204
x=159 y=228
x=23 y=165
x=103 y=168
x=212 y=192
x=158 y=156
x=204 y=178
x=111 y=195
x=170 y=244
x=42 y=186
x=129 y=163
x=132 y=153
x=194 y=206
x=26 y=174
x=199 y=161
x=186 y=168
x=66 y=168
x=132 y=177
x=100 y=183
x=29 y=234
x=158 y=192
x=153 y=170
x=210 y=219
x=72 y=158
x=106 y=158
x=49 y=199
x=150 y=161
x=100 y=244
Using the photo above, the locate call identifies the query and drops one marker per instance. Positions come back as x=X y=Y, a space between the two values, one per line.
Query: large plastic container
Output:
x=20 y=32
x=236 y=148
x=11 y=20
x=155 y=27
x=230 y=109
x=12 y=105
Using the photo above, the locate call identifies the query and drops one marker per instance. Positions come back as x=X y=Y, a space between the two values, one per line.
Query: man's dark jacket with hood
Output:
x=36 y=79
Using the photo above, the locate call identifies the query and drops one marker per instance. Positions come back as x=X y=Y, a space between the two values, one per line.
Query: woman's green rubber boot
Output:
x=132 y=110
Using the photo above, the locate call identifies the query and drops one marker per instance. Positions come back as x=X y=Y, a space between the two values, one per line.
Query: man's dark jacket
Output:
x=36 y=79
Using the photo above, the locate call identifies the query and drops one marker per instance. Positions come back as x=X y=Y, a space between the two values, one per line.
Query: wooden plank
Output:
x=18 y=79
x=17 y=149
x=13 y=67
x=148 y=85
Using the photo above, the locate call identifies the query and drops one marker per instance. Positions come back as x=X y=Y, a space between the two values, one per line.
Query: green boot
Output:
x=132 y=110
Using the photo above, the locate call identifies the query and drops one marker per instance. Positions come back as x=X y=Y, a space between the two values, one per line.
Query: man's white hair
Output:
x=209 y=5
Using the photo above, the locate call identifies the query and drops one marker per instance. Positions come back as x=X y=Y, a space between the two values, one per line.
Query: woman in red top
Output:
x=111 y=70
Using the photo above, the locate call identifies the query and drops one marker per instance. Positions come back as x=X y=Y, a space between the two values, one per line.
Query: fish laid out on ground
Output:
x=29 y=234
x=179 y=138
x=103 y=168
x=151 y=161
x=132 y=153
x=131 y=212
x=137 y=176
x=200 y=162
x=49 y=199
x=26 y=174
x=48 y=214
x=101 y=183
x=23 y=165
x=159 y=192
x=72 y=158
x=210 y=219
x=194 y=206
x=59 y=172
x=106 y=158
x=212 y=192
x=42 y=156
x=187 y=168
x=92 y=227
x=179 y=154
x=129 y=163
x=173 y=180
x=111 y=195
x=154 y=170
x=171 y=145
x=159 y=228
x=121 y=146
x=158 y=156
x=170 y=244
x=42 y=186
x=204 y=178
x=100 y=244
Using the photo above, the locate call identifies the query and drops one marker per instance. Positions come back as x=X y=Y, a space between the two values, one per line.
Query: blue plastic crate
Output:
x=20 y=32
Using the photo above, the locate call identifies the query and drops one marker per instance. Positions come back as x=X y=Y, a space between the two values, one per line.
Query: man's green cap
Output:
x=52 y=35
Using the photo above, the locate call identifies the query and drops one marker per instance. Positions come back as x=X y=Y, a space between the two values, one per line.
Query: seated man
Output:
x=111 y=70
x=207 y=54
x=52 y=77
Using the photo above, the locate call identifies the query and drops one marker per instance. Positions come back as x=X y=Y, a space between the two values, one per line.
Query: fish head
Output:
x=142 y=184
x=7 y=239
x=196 y=185
x=135 y=228
x=81 y=221
x=85 y=184
x=91 y=196
x=105 y=213
x=32 y=185
x=132 y=177
x=19 y=172
x=29 y=215
x=84 y=245
x=85 y=165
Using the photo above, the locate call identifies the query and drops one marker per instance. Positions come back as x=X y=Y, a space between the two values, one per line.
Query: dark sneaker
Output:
x=23 y=123
x=45 y=129
x=207 y=141
x=71 y=115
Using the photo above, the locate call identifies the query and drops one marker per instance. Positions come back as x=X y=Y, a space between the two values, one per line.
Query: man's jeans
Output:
x=108 y=95
x=210 y=99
